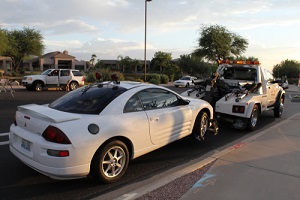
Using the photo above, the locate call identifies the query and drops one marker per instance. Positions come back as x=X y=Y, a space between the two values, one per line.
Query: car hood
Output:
x=43 y=111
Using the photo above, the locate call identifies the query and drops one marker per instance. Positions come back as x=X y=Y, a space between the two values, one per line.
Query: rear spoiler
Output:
x=43 y=111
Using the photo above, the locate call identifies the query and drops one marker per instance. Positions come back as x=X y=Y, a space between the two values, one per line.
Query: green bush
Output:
x=164 y=79
x=1 y=74
x=154 y=81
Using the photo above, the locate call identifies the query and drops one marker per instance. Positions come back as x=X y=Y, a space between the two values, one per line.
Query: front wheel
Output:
x=38 y=86
x=110 y=162
x=201 y=125
x=252 y=121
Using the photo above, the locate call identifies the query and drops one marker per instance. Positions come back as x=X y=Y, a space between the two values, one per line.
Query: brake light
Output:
x=53 y=134
x=238 y=109
x=82 y=79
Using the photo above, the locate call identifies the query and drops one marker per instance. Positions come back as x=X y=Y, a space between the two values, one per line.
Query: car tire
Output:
x=279 y=109
x=252 y=121
x=201 y=125
x=73 y=85
x=187 y=85
x=110 y=162
x=38 y=86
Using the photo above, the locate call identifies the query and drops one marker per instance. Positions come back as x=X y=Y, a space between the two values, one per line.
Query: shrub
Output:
x=154 y=81
x=164 y=79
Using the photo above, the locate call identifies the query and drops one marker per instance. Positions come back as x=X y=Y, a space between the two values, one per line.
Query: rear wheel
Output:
x=279 y=109
x=73 y=85
x=110 y=162
x=252 y=121
x=38 y=86
x=201 y=125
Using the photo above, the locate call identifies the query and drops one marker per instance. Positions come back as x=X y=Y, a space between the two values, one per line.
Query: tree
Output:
x=22 y=43
x=289 y=68
x=93 y=58
x=124 y=62
x=194 y=65
x=161 y=60
x=3 y=41
x=216 y=43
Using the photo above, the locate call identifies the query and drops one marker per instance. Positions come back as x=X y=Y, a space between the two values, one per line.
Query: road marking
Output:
x=4 y=134
x=205 y=180
x=5 y=142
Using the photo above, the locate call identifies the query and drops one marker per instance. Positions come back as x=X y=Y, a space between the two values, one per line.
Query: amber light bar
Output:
x=239 y=62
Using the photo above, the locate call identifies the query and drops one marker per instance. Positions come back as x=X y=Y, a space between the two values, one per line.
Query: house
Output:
x=5 y=63
x=54 y=60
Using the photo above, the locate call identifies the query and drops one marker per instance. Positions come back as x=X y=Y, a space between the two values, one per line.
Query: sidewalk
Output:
x=264 y=167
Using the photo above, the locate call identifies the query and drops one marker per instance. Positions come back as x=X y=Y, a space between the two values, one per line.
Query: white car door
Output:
x=168 y=121
x=52 y=77
x=64 y=76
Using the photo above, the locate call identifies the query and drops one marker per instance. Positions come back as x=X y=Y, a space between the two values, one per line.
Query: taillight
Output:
x=238 y=109
x=15 y=119
x=53 y=134
x=82 y=79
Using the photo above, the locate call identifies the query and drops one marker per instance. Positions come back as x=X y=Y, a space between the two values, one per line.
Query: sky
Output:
x=112 y=28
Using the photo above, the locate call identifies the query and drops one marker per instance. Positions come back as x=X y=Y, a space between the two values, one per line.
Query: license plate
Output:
x=26 y=144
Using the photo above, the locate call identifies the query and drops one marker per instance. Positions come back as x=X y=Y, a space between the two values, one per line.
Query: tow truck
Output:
x=241 y=91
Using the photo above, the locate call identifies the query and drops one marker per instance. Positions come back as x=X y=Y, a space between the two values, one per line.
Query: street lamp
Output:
x=145 y=61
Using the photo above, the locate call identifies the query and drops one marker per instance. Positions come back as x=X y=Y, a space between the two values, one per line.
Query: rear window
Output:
x=88 y=99
x=240 y=73
x=76 y=73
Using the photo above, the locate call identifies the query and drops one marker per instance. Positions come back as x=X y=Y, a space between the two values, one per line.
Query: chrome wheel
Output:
x=38 y=86
x=73 y=86
x=110 y=162
x=252 y=121
x=113 y=162
x=201 y=126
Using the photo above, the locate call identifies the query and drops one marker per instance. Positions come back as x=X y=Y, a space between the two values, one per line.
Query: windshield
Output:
x=240 y=73
x=88 y=99
x=46 y=72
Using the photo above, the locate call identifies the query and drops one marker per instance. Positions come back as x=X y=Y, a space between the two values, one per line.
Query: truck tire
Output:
x=252 y=121
x=38 y=86
x=73 y=85
x=278 y=110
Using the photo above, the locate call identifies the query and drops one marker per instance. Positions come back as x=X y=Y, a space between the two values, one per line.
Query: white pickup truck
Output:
x=242 y=90
x=60 y=78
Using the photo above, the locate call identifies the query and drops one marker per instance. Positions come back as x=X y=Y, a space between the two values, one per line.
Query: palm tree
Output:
x=93 y=58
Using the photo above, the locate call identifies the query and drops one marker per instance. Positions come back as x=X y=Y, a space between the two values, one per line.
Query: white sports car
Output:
x=98 y=128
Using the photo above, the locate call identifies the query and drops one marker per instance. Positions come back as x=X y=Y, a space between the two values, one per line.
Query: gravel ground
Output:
x=177 y=188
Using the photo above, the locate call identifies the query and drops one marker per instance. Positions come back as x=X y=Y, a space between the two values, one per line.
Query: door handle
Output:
x=154 y=119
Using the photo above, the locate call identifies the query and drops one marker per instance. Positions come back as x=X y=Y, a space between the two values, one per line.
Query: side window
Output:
x=133 y=104
x=64 y=73
x=269 y=77
x=76 y=73
x=157 y=98
x=54 y=73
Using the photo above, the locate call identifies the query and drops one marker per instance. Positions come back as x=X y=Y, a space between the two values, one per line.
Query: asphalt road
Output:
x=17 y=181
